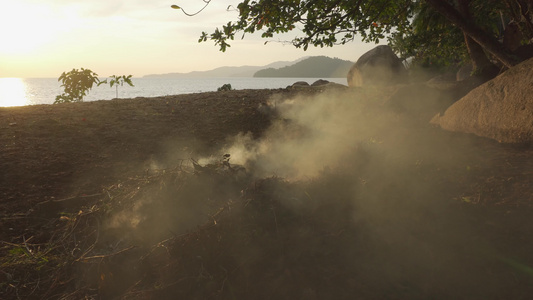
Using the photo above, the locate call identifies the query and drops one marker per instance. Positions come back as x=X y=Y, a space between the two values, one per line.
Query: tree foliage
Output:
x=430 y=27
x=76 y=84
x=116 y=80
x=323 y=22
x=433 y=39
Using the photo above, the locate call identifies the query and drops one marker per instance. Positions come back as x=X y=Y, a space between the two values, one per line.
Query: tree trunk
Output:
x=480 y=62
x=521 y=11
x=484 y=39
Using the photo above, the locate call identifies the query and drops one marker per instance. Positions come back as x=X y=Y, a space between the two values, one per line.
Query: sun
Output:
x=25 y=27
x=13 y=92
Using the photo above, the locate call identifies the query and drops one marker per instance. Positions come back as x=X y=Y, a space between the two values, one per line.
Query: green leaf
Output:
x=466 y=199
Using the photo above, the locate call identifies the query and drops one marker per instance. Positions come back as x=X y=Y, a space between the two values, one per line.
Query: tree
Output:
x=521 y=12
x=116 y=80
x=431 y=40
x=323 y=22
x=472 y=30
x=480 y=62
x=77 y=84
x=434 y=38
x=331 y=22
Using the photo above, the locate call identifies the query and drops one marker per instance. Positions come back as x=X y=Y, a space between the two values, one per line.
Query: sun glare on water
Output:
x=13 y=92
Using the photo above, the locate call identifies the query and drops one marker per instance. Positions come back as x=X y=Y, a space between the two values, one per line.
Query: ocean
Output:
x=32 y=91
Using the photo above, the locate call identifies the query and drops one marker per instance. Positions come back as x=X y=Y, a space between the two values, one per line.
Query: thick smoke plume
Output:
x=312 y=134
x=340 y=182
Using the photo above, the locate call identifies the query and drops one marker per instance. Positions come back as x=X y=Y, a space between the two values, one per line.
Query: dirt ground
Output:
x=50 y=154
x=72 y=149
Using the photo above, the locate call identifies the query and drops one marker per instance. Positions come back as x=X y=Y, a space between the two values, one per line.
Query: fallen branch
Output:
x=105 y=256
x=69 y=198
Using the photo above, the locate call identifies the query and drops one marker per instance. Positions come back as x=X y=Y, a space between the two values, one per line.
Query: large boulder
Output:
x=379 y=66
x=501 y=109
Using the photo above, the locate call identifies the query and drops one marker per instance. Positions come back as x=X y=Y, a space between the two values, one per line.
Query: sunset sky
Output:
x=43 y=38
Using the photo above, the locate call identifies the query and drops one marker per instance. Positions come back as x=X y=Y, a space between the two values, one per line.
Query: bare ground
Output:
x=470 y=240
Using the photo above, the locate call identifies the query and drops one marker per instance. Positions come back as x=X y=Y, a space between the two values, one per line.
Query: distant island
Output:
x=311 y=67
x=242 y=71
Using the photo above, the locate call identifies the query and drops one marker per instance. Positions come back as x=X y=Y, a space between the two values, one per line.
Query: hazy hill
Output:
x=242 y=71
x=316 y=66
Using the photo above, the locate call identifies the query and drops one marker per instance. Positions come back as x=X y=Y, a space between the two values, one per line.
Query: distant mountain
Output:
x=315 y=66
x=242 y=71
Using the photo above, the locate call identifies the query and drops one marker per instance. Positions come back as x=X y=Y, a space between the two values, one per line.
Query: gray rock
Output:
x=300 y=84
x=379 y=66
x=320 y=82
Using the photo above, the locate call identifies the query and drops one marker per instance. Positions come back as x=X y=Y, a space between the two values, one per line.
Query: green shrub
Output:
x=116 y=80
x=76 y=84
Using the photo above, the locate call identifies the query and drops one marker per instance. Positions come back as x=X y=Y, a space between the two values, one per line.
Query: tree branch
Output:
x=488 y=42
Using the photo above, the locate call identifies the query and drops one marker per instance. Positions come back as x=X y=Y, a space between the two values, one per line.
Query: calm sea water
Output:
x=20 y=92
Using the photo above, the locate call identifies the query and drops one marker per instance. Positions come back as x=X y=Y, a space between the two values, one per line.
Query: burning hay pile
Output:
x=195 y=231
x=73 y=240
x=361 y=205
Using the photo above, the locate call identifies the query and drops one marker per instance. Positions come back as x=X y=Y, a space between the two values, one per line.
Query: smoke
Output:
x=361 y=158
x=381 y=156
x=312 y=134
x=363 y=189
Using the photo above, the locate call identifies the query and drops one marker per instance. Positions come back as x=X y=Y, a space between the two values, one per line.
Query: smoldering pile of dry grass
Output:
x=261 y=246
x=340 y=235
x=203 y=234
x=91 y=245
x=196 y=234
x=378 y=226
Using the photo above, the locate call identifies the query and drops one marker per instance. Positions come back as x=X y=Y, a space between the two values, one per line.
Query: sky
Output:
x=43 y=38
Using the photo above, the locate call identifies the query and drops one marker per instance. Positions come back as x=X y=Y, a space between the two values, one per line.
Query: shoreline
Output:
x=44 y=91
